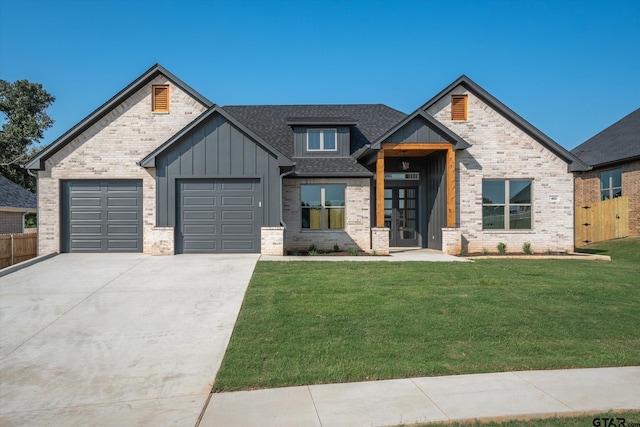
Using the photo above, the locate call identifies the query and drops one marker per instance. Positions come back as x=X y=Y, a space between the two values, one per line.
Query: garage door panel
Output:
x=218 y=215
x=102 y=216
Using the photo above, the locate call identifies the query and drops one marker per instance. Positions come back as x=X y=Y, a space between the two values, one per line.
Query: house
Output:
x=614 y=159
x=160 y=169
x=15 y=203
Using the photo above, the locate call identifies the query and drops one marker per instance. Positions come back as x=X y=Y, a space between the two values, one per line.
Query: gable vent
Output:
x=458 y=107
x=160 y=101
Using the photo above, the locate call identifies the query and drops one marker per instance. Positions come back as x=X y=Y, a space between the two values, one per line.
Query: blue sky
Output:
x=571 y=68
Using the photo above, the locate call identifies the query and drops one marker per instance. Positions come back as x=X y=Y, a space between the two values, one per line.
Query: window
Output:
x=160 y=99
x=506 y=204
x=321 y=140
x=458 y=107
x=322 y=206
x=610 y=184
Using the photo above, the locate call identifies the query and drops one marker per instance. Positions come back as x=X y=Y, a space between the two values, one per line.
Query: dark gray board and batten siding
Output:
x=216 y=149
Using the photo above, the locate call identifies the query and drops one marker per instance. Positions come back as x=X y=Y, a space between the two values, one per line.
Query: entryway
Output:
x=401 y=215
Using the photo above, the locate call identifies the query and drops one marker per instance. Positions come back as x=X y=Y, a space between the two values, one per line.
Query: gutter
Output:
x=282 y=175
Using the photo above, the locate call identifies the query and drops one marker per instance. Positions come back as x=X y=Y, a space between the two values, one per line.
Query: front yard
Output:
x=329 y=322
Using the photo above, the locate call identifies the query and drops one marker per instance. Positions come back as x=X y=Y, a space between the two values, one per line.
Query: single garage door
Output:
x=218 y=216
x=102 y=216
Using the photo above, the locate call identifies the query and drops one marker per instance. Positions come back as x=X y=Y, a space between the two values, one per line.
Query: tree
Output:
x=24 y=103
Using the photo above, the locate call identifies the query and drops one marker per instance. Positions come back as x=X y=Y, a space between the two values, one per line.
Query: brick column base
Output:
x=272 y=241
x=162 y=241
x=380 y=240
x=451 y=241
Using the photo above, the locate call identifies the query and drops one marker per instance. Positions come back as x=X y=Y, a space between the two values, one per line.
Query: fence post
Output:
x=11 y=249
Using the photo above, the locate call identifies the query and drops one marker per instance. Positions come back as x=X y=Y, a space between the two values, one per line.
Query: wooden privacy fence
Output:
x=15 y=248
x=605 y=220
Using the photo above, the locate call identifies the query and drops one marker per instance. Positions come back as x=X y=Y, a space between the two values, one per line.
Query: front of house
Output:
x=160 y=169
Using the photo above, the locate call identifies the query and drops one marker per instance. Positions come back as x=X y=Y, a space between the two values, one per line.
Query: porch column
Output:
x=380 y=189
x=451 y=187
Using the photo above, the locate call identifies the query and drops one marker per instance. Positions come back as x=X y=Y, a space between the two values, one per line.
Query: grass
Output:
x=327 y=322
x=607 y=419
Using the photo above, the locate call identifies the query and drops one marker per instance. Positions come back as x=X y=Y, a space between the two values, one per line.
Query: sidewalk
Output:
x=431 y=399
x=396 y=254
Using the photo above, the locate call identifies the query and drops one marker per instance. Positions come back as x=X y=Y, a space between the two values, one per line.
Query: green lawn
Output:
x=328 y=322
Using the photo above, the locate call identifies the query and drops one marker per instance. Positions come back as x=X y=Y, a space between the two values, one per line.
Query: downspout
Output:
x=282 y=175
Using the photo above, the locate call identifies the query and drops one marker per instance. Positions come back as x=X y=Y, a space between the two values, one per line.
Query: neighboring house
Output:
x=15 y=203
x=614 y=158
x=161 y=169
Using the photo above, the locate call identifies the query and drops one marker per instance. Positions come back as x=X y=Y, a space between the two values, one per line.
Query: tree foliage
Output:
x=24 y=104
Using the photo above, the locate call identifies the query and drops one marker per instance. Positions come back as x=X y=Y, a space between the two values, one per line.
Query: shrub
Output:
x=352 y=252
x=295 y=252
x=313 y=252
x=463 y=252
x=526 y=248
x=502 y=248
x=313 y=248
x=336 y=248
x=485 y=251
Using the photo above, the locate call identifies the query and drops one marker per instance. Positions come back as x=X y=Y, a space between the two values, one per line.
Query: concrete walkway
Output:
x=397 y=254
x=116 y=339
x=431 y=399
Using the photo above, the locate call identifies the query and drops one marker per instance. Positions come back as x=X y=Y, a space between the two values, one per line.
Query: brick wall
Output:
x=501 y=150
x=588 y=190
x=109 y=150
x=357 y=216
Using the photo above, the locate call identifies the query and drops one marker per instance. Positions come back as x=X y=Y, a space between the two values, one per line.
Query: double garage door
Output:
x=213 y=216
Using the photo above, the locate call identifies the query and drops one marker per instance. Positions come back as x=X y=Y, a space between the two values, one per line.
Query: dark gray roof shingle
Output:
x=618 y=142
x=270 y=121
x=14 y=196
x=341 y=166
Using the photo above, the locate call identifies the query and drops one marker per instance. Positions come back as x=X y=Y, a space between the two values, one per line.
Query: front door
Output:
x=401 y=215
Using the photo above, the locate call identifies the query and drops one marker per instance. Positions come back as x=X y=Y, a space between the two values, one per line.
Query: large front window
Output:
x=610 y=184
x=322 y=206
x=506 y=204
x=321 y=140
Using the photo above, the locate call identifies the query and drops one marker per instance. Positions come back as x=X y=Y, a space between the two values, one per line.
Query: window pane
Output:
x=312 y=218
x=313 y=139
x=493 y=217
x=334 y=218
x=520 y=217
x=330 y=139
x=520 y=191
x=493 y=192
x=604 y=194
x=334 y=195
x=616 y=176
x=605 y=179
x=310 y=195
x=617 y=192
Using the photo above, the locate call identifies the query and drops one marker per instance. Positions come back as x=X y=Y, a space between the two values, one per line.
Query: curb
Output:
x=24 y=264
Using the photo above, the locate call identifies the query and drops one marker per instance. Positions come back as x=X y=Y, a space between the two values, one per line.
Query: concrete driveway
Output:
x=116 y=339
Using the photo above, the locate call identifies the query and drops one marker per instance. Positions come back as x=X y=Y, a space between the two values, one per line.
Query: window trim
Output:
x=465 y=105
x=154 y=107
x=322 y=149
x=507 y=204
x=610 y=188
x=323 y=207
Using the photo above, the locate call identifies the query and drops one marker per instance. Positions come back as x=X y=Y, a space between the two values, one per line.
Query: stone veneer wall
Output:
x=109 y=150
x=588 y=190
x=501 y=150
x=357 y=222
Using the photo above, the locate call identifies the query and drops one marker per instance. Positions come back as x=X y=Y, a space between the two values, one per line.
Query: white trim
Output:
x=321 y=131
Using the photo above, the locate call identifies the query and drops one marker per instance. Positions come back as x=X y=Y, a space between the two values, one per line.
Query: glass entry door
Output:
x=401 y=215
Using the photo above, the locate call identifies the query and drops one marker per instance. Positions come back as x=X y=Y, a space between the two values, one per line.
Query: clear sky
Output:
x=571 y=68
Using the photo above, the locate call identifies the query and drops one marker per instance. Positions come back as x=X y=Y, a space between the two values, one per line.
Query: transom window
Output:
x=321 y=140
x=610 y=184
x=323 y=206
x=506 y=204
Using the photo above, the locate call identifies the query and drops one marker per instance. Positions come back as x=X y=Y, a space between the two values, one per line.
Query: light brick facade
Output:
x=356 y=233
x=272 y=241
x=588 y=190
x=109 y=150
x=501 y=150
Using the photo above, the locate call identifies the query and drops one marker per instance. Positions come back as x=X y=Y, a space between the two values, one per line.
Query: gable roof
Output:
x=15 y=197
x=150 y=160
x=620 y=142
x=457 y=141
x=38 y=161
x=575 y=164
x=273 y=122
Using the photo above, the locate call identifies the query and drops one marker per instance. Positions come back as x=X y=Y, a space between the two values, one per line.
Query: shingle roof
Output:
x=14 y=196
x=618 y=142
x=344 y=166
x=270 y=121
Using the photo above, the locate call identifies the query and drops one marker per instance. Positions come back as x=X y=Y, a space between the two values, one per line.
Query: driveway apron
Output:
x=116 y=339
